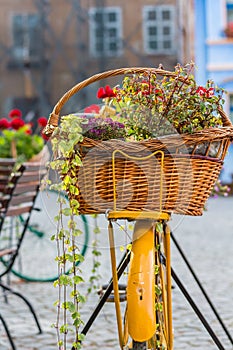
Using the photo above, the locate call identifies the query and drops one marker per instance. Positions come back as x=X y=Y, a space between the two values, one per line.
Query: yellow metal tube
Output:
x=115 y=284
x=141 y=283
x=164 y=326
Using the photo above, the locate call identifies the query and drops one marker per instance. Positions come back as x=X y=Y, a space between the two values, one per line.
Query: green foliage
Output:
x=26 y=145
x=151 y=106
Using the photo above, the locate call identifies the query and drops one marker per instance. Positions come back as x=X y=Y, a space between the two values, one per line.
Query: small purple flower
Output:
x=120 y=125
x=98 y=132
x=104 y=129
x=109 y=120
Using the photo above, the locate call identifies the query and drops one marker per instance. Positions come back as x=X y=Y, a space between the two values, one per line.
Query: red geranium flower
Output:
x=4 y=124
x=45 y=137
x=105 y=92
x=109 y=91
x=15 y=113
x=101 y=93
x=17 y=123
x=201 y=91
x=42 y=121
x=92 y=109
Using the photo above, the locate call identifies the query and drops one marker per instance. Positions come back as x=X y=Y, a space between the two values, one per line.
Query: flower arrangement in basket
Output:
x=17 y=139
x=151 y=110
x=157 y=143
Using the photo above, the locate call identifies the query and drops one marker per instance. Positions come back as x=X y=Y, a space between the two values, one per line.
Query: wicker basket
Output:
x=177 y=179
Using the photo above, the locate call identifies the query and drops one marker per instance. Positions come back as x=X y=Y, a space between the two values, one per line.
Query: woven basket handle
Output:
x=225 y=119
x=54 y=116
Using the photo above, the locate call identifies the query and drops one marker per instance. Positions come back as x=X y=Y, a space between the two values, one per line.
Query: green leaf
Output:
x=78 y=279
x=65 y=280
x=77 y=232
x=96 y=230
x=67 y=211
x=81 y=337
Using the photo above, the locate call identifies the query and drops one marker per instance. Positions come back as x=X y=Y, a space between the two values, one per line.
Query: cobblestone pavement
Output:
x=208 y=244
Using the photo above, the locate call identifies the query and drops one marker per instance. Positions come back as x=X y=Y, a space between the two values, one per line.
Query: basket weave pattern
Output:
x=192 y=163
x=187 y=179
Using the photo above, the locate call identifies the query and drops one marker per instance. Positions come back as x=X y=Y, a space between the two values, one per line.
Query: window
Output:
x=158 y=29
x=105 y=31
x=26 y=37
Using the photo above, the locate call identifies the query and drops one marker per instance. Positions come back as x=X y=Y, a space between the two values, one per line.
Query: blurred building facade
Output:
x=48 y=46
x=213 y=55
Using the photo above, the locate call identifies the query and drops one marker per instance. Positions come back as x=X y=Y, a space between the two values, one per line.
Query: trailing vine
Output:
x=66 y=160
x=95 y=276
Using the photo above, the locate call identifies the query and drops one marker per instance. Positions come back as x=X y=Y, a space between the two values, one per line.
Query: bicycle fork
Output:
x=141 y=320
x=141 y=284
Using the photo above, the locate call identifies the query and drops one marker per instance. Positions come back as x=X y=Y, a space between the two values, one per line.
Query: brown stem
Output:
x=13 y=149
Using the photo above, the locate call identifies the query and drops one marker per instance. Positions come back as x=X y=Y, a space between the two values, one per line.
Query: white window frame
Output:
x=107 y=25
x=160 y=37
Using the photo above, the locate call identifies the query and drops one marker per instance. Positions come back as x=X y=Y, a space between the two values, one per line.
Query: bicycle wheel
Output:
x=36 y=261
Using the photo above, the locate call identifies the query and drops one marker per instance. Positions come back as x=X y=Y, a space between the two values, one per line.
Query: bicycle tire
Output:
x=37 y=253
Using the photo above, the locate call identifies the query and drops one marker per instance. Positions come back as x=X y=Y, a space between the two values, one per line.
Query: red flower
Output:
x=45 y=137
x=201 y=91
x=28 y=131
x=205 y=92
x=42 y=121
x=159 y=94
x=101 y=93
x=17 y=123
x=92 y=109
x=109 y=91
x=15 y=113
x=105 y=92
x=210 y=92
x=4 y=124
